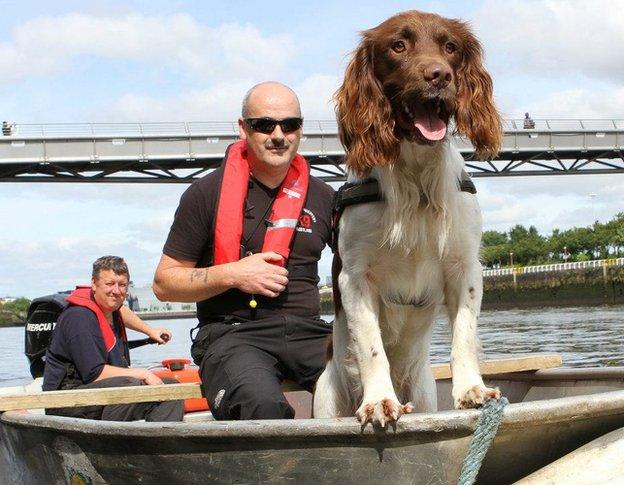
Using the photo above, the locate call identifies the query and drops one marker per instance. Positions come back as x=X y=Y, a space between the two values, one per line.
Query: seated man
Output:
x=245 y=244
x=89 y=348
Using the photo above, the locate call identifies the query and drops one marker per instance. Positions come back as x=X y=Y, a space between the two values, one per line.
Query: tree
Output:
x=495 y=248
x=527 y=245
x=14 y=311
x=494 y=238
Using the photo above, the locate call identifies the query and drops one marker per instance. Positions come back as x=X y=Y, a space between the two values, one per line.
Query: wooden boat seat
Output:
x=81 y=397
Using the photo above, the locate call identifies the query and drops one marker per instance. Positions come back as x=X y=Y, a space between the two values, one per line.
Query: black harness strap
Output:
x=466 y=184
x=360 y=192
x=367 y=190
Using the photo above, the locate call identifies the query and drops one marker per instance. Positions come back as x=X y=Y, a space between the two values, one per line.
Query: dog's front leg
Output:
x=380 y=404
x=463 y=292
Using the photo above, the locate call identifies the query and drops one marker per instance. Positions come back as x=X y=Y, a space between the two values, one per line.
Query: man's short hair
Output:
x=113 y=263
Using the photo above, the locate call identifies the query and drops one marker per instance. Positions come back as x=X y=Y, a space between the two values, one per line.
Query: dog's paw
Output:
x=382 y=412
x=476 y=397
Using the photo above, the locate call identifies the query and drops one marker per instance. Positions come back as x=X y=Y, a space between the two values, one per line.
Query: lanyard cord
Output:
x=262 y=219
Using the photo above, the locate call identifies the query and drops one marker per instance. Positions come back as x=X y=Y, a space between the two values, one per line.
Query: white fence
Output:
x=542 y=268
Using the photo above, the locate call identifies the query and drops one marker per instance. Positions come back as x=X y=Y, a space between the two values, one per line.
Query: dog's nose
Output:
x=438 y=75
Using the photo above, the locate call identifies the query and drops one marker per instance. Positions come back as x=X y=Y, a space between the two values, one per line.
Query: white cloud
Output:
x=219 y=102
x=315 y=93
x=54 y=265
x=580 y=103
x=49 y=45
x=549 y=202
x=546 y=38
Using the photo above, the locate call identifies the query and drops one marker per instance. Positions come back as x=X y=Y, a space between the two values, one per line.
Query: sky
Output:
x=149 y=61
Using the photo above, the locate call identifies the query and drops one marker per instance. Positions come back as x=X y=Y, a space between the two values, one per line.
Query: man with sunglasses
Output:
x=244 y=245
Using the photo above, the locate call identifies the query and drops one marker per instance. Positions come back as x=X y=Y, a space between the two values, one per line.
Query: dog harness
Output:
x=367 y=190
x=285 y=212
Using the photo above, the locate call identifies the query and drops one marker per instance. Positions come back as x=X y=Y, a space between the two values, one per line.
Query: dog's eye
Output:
x=449 y=47
x=398 y=46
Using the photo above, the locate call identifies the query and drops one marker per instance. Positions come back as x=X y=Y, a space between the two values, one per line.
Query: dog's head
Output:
x=407 y=79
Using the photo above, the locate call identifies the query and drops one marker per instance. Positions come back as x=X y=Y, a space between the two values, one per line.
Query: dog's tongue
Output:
x=431 y=126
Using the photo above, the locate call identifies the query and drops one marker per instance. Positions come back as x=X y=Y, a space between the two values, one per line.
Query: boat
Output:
x=552 y=412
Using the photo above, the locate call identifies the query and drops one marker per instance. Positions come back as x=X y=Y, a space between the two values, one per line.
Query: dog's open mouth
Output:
x=427 y=121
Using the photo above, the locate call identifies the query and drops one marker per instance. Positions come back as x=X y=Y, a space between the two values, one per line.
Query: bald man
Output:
x=244 y=245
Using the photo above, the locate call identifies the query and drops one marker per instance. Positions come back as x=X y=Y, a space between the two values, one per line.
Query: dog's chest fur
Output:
x=401 y=244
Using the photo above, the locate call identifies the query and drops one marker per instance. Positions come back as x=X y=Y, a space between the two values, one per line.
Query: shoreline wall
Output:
x=572 y=287
x=578 y=287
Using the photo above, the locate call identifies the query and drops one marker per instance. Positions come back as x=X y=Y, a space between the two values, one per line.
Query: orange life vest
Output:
x=286 y=209
x=82 y=296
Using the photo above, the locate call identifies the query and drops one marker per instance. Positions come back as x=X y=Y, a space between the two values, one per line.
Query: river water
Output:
x=584 y=336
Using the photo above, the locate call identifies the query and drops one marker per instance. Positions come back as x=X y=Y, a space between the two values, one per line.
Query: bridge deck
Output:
x=181 y=152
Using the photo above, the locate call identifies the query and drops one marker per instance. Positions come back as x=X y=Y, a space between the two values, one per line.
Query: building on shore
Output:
x=142 y=299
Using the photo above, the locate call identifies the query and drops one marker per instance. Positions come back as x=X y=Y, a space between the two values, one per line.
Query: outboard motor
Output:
x=42 y=315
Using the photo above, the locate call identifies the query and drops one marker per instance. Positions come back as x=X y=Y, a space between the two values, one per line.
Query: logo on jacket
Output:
x=305 y=221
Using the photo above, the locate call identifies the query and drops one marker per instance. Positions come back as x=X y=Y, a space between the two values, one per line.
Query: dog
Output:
x=402 y=258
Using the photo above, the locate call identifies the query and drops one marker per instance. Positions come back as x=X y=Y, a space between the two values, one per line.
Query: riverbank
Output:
x=579 y=287
x=554 y=289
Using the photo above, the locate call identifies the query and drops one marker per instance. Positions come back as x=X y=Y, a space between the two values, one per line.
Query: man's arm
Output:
x=180 y=280
x=142 y=374
x=131 y=320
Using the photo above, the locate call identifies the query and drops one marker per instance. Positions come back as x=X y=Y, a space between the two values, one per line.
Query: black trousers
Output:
x=243 y=364
x=150 y=411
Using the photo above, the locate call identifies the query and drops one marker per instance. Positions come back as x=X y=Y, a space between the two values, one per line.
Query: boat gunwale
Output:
x=458 y=422
x=563 y=374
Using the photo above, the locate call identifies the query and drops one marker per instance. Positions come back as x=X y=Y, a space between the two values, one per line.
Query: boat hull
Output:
x=422 y=448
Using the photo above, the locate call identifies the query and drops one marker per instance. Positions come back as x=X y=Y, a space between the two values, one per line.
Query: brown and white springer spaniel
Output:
x=417 y=250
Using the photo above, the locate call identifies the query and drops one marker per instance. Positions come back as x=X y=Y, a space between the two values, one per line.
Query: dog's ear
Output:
x=477 y=116
x=364 y=114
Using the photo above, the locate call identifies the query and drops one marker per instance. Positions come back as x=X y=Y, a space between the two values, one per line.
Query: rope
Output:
x=487 y=425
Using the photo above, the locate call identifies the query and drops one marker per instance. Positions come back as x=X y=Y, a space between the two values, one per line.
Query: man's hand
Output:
x=161 y=335
x=260 y=274
x=150 y=378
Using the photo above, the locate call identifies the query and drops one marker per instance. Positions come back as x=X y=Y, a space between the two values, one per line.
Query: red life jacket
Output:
x=287 y=206
x=81 y=296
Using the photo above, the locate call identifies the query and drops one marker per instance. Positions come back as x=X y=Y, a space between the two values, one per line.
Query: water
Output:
x=585 y=337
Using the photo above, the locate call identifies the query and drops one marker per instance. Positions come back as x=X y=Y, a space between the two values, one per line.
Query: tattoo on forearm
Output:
x=197 y=274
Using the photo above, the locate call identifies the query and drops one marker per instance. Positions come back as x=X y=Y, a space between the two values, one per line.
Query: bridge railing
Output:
x=329 y=127
x=542 y=268
x=143 y=152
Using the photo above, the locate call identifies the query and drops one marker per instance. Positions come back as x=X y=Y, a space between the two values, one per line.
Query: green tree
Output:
x=494 y=238
x=527 y=245
x=600 y=240
x=494 y=249
x=14 y=311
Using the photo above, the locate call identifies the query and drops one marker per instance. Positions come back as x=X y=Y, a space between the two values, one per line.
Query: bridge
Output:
x=181 y=152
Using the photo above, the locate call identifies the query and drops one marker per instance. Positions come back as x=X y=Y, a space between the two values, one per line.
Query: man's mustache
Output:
x=269 y=145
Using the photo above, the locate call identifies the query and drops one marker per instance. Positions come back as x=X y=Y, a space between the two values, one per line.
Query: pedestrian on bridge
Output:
x=7 y=128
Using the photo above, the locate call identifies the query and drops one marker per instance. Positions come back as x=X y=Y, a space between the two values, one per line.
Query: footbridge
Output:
x=181 y=152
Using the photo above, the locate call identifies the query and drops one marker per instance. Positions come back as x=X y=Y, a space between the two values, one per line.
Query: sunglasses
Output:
x=267 y=125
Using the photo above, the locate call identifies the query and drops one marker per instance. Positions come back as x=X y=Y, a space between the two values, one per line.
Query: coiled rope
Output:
x=487 y=425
